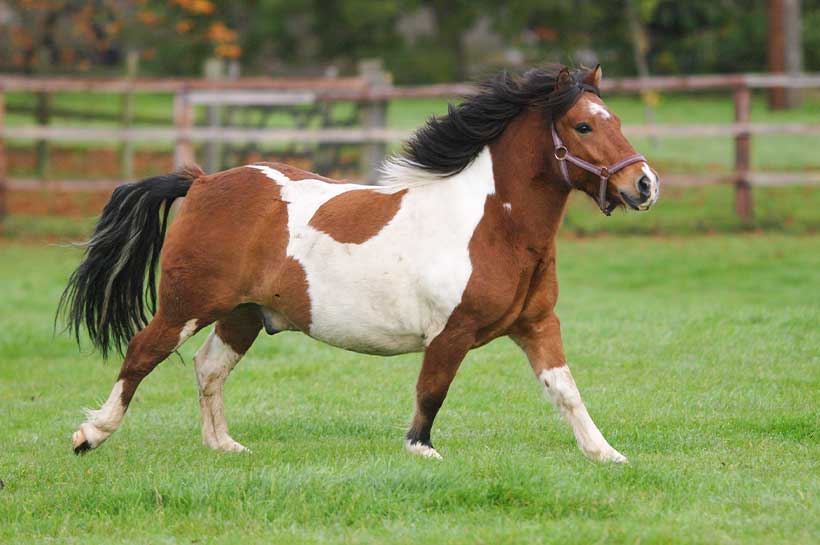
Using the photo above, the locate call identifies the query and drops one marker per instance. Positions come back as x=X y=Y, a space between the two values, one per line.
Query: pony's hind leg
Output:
x=145 y=351
x=222 y=350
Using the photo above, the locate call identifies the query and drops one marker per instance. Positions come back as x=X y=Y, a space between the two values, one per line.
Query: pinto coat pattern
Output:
x=457 y=249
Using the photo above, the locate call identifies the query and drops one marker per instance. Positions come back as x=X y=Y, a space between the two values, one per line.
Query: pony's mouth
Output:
x=633 y=203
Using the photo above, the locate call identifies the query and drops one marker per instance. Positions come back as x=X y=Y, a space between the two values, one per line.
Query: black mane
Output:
x=447 y=144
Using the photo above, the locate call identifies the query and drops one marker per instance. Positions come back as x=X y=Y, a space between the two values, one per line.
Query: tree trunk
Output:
x=785 y=53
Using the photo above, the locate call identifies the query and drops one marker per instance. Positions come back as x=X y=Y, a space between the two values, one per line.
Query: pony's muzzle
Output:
x=647 y=189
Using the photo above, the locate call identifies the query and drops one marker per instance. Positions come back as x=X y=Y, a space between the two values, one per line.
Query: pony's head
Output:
x=563 y=126
x=587 y=130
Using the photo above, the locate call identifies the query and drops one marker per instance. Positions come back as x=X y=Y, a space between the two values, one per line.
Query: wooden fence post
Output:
x=127 y=117
x=743 y=190
x=373 y=116
x=183 y=120
x=42 y=114
x=3 y=161
x=214 y=70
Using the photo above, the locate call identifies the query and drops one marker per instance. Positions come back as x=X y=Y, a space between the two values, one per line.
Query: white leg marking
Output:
x=187 y=330
x=100 y=424
x=561 y=389
x=421 y=450
x=213 y=363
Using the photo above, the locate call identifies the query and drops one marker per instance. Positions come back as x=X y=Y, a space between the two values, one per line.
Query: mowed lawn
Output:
x=699 y=357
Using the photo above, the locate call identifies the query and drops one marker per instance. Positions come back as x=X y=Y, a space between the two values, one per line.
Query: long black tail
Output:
x=107 y=293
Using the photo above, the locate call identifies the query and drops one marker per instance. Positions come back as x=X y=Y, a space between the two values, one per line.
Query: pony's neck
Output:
x=527 y=182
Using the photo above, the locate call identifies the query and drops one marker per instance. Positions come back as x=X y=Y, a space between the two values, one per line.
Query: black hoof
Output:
x=82 y=448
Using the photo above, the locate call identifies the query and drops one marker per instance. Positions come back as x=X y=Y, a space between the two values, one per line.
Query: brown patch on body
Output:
x=240 y=328
x=357 y=216
x=223 y=251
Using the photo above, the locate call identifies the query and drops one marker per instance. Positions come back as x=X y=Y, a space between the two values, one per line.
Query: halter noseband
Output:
x=562 y=155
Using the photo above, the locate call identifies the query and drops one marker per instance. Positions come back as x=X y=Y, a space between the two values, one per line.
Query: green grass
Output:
x=697 y=356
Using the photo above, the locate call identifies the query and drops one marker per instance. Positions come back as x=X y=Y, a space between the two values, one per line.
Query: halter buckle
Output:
x=561 y=153
x=604 y=173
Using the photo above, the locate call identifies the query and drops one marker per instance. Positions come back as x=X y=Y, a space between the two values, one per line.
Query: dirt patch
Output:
x=87 y=164
x=57 y=203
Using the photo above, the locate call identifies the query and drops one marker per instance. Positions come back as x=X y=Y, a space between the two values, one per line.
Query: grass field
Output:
x=697 y=356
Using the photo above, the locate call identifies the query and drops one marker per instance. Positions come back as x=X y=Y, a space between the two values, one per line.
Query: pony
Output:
x=455 y=248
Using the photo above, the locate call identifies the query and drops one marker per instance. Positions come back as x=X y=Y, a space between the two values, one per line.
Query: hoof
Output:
x=233 y=446
x=610 y=456
x=420 y=449
x=80 y=443
x=227 y=445
x=617 y=458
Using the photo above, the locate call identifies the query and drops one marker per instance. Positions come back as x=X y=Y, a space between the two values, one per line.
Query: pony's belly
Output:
x=377 y=345
x=375 y=321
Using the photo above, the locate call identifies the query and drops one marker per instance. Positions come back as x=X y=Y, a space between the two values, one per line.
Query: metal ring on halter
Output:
x=563 y=153
x=604 y=173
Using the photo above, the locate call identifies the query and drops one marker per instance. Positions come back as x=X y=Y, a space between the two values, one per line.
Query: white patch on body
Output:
x=187 y=330
x=508 y=207
x=561 y=389
x=419 y=449
x=100 y=424
x=213 y=363
x=598 y=109
x=393 y=293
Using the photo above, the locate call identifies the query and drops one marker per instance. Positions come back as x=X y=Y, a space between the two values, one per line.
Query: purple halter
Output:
x=563 y=155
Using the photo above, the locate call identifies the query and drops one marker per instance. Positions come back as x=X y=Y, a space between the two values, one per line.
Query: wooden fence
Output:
x=372 y=92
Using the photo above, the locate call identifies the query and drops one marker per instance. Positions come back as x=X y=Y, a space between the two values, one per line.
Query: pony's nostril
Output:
x=644 y=186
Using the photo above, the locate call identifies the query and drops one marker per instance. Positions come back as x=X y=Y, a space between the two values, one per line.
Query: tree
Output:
x=784 y=49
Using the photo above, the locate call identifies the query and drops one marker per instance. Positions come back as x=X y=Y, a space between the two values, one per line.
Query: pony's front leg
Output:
x=541 y=342
x=441 y=361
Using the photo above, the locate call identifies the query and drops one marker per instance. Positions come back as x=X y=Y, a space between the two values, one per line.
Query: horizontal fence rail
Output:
x=357 y=89
x=372 y=94
x=353 y=135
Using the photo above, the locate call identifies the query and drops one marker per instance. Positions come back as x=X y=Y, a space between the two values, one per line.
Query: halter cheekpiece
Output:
x=562 y=155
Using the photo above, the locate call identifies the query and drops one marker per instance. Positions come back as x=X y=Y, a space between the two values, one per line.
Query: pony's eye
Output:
x=583 y=128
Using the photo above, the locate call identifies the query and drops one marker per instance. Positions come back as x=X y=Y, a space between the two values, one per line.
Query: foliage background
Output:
x=419 y=40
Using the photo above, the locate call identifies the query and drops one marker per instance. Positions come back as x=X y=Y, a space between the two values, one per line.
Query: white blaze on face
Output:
x=598 y=110
x=394 y=292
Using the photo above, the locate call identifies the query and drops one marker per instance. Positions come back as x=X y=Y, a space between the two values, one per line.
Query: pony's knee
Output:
x=213 y=362
x=561 y=388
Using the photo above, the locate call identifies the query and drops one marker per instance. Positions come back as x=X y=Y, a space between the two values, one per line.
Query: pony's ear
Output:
x=594 y=76
x=564 y=80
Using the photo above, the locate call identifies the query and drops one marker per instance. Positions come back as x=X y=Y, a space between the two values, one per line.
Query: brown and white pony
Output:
x=456 y=249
